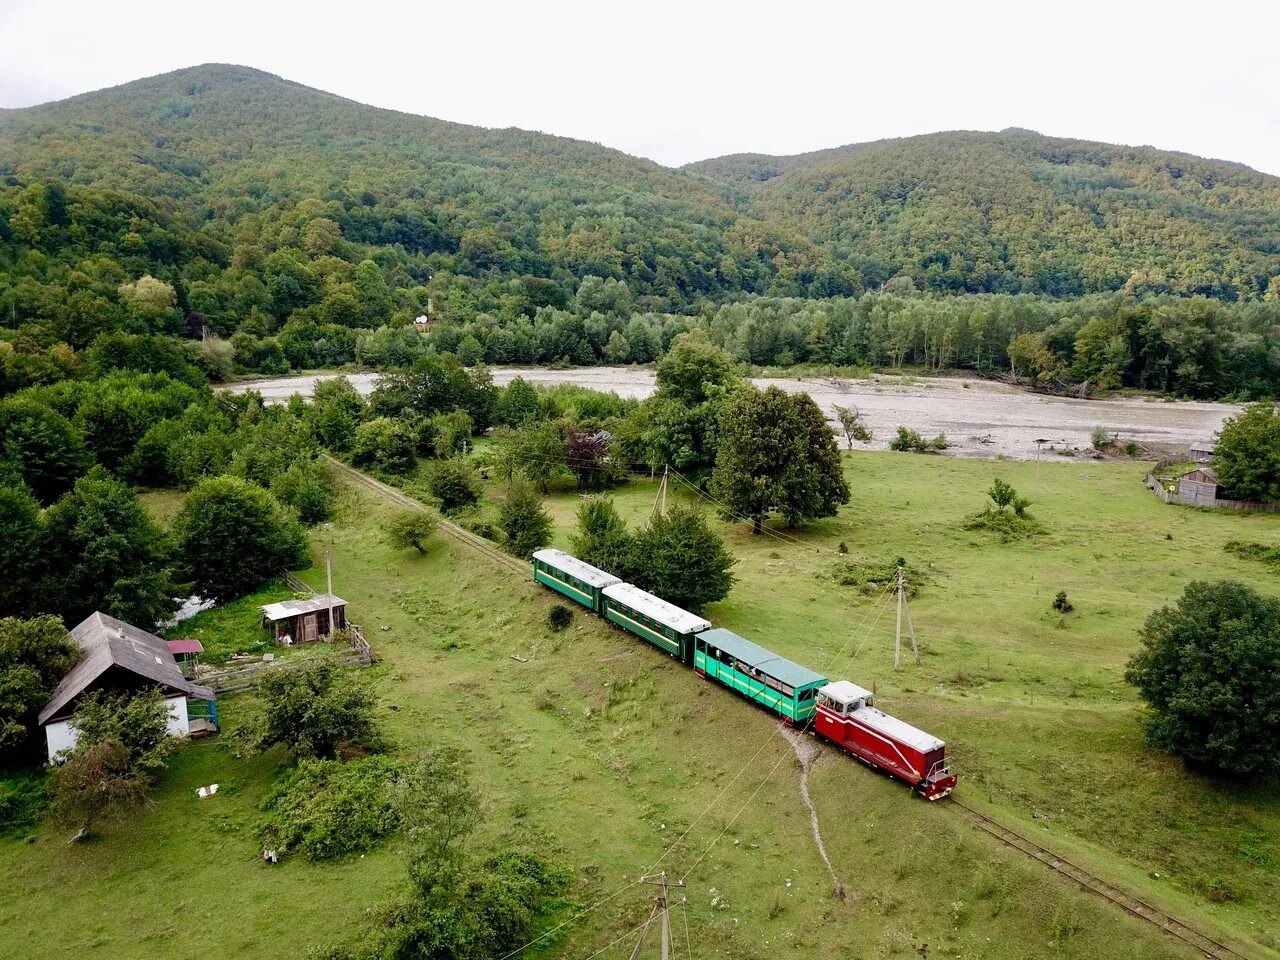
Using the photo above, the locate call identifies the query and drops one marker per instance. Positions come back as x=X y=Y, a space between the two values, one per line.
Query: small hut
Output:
x=304 y=621
x=1199 y=486
x=187 y=652
x=1202 y=452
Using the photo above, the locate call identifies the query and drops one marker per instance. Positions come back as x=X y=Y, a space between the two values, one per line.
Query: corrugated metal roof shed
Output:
x=667 y=614
x=763 y=659
x=571 y=565
x=286 y=609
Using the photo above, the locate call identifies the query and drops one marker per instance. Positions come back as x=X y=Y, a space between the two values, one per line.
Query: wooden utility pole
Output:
x=661 y=903
x=897 y=640
x=328 y=588
x=660 y=501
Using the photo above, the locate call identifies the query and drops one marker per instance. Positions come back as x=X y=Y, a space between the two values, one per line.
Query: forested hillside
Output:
x=275 y=227
x=1019 y=212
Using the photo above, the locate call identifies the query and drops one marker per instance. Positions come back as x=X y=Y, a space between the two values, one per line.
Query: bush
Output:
x=602 y=539
x=411 y=529
x=559 y=617
x=1100 y=437
x=682 y=559
x=909 y=441
x=525 y=525
x=23 y=798
x=325 y=808
x=315 y=709
x=455 y=484
x=1006 y=516
x=1209 y=668
x=1061 y=603
x=385 y=444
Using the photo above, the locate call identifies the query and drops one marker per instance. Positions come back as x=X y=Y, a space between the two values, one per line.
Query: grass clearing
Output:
x=605 y=752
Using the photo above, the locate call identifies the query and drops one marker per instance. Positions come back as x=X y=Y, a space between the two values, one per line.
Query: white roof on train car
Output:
x=899 y=730
x=592 y=576
x=843 y=691
x=667 y=614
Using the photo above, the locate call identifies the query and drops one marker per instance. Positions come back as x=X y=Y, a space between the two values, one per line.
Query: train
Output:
x=838 y=711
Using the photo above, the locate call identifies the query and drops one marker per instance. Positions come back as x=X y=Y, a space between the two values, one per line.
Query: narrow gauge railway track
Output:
x=1096 y=885
x=448 y=526
x=1082 y=878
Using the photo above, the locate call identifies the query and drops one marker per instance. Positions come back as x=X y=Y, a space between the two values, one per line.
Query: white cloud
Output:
x=682 y=81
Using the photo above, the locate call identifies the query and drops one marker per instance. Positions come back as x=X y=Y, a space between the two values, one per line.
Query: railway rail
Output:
x=448 y=526
x=1096 y=885
x=1082 y=878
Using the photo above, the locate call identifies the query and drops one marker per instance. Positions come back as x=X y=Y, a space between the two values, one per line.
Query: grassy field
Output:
x=606 y=752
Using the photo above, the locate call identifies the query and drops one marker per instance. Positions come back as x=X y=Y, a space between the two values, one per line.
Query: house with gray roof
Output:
x=121 y=658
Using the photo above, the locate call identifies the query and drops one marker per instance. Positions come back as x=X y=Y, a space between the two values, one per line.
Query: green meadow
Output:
x=618 y=761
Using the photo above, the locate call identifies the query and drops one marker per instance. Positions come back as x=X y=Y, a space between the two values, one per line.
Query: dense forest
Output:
x=220 y=220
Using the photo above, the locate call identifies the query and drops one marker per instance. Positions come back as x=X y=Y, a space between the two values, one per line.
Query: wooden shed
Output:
x=1199 y=486
x=304 y=621
x=1202 y=452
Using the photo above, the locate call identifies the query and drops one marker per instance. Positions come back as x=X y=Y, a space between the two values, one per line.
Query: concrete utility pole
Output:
x=662 y=902
x=897 y=640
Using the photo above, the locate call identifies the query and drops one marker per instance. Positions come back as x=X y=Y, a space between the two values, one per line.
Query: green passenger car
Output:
x=579 y=581
x=785 y=688
x=651 y=618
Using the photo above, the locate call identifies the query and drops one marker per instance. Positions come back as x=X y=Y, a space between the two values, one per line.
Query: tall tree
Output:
x=34 y=654
x=1209 y=668
x=602 y=539
x=776 y=454
x=681 y=559
x=105 y=553
x=21 y=550
x=43 y=447
x=1247 y=455
x=233 y=536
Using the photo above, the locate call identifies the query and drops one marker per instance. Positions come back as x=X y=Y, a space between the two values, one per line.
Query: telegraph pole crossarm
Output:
x=662 y=902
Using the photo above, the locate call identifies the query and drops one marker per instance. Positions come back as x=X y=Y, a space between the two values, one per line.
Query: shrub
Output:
x=909 y=441
x=682 y=559
x=525 y=525
x=411 y=529
x=1100 y=437
x=385 y=444
x=314 y=709
x=872 y=577
x=455 y=484
x=1006 y=516
x=1061 y=603
x=23 y=797
x=325 y=808
x=559 y=617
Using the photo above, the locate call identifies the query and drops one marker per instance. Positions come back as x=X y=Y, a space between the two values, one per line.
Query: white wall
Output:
x=61 y=735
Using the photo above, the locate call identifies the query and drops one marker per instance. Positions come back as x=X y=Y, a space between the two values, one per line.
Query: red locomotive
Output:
x=847 y=718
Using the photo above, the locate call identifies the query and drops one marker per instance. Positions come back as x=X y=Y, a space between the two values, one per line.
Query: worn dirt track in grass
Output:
x=807 y=752
x=979 y=417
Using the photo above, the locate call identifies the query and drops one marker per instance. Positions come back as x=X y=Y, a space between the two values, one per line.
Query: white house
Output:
x=119 y=658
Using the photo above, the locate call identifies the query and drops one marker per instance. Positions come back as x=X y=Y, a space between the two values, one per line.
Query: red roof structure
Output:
x=184 y=646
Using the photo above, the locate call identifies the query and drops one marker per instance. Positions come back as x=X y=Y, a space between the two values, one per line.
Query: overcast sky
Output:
x=680 y=81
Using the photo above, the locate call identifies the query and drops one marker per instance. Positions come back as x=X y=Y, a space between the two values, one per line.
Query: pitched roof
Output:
x=291 y=608
x=577 y=568
x=108 y=642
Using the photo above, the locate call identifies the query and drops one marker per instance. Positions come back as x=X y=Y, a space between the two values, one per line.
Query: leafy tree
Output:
x=21 y=549
x=1029 y=354
x=1247 y=455
x=592 y=457
x=441 y=812
x=336 y=410
x=525 y=525
x=307 y=487
x=854 y=427
x=776 y=454
x=314 y=710
x=385 y=444
x=121 y=745
x=681 y=559
x=602 y=539
x=34 y=655
x=46 y=450
x=455 y=483
x=694 y=370
x=103 y=552
x=233 y=536
x=411 y=529
x=517 y=404
x=1209 y=668
x=542 y=452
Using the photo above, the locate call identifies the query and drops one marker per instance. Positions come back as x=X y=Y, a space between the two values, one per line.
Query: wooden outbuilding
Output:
x=1199 y=486
x=1202 y=452
x=304 y=621
x=121 y=658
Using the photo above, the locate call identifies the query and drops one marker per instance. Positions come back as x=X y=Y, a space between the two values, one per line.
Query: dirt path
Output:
x=980 y=418
x=807 y=752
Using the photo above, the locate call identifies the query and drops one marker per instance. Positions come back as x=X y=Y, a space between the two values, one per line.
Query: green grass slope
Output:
x=608 y=753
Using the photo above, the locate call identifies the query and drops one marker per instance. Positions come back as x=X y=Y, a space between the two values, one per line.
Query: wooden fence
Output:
x=1156 y=486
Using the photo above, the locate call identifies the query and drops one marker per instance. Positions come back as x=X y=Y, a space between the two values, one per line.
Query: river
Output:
x=979 y=417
